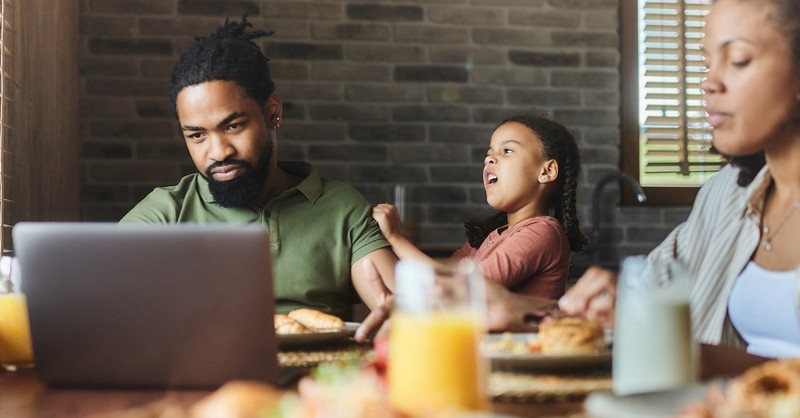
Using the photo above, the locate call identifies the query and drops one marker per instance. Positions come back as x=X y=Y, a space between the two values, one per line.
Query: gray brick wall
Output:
x=376 y=93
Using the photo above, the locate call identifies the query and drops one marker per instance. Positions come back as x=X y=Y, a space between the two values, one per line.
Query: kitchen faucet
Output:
x=598 y=190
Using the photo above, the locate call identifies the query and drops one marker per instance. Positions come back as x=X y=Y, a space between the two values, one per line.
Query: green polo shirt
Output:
x=318 y=230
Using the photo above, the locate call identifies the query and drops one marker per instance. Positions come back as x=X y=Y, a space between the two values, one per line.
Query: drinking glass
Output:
x=15 y=338
x=653 y=346
x=434 y=359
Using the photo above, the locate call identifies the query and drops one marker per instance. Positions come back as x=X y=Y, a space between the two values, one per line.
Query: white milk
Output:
x=653 y=347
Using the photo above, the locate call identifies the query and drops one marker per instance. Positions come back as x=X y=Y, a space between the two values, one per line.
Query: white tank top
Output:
x=762 y=308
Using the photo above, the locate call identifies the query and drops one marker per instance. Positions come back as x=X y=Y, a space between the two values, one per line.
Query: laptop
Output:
x=123 y=305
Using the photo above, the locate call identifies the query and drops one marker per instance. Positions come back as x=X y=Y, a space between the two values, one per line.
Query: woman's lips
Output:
x=716 y=119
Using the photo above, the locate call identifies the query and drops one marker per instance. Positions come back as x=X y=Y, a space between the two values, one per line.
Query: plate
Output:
x=501 y=359
x=317 y=338
x=645 y=405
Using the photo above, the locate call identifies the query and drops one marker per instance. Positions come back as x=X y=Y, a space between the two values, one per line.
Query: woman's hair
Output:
x=228 y=54
x=558 y=144
x=786 y=15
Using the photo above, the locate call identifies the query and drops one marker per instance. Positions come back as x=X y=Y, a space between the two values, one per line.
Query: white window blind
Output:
x=7 y=88
x=675 y=141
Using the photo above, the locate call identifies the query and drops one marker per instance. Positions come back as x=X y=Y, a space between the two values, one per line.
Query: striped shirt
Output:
x=715 y=243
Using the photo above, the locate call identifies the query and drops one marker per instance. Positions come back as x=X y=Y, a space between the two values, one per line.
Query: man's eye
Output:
x=507 y=150
x=235 y=126
x=195 y=136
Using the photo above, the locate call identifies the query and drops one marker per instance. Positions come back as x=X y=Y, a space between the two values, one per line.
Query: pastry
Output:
x=769 y=390
x=238 y=399
x=570 y=335
x=312 y=318
x=285 y=325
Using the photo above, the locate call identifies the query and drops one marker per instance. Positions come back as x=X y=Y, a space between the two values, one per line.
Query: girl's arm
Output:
x=389 y=222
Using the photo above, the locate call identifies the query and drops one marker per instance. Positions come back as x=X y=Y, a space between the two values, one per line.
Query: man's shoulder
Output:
x=187 y=186
x=163 y=204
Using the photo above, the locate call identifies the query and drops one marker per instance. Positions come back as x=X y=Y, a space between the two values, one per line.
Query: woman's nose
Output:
x=711 y=84
x=489 y=160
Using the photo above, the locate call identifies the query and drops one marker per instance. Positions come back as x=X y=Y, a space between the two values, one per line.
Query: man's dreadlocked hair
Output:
x=228 y=54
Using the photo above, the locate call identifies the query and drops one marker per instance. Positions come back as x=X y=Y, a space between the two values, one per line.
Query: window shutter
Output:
x=675 y=141
x=7 y=89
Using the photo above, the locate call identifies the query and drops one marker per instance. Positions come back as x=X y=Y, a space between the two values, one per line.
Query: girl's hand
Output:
x=593 y=296
x=388 y=219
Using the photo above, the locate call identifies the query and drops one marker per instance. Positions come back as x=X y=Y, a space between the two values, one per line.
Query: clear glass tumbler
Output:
x=15 y=338
x=434 y=359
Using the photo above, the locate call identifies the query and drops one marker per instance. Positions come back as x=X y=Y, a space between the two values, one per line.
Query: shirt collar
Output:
x=757 y=190
x=310 y=186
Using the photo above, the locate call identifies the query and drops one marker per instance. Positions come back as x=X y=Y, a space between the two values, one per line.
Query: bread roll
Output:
x=769 y=390
x=238 y=399
x=571 y=335
x=285 y=325
x=312 y=318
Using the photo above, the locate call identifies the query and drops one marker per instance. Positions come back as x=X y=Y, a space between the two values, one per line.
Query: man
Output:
x=322 y=231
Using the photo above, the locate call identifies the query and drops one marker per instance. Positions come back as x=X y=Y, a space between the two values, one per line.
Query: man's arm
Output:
x=374 y=289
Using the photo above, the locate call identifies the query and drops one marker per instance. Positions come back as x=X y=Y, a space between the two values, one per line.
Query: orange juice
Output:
x=434 y=363
x=15 y=338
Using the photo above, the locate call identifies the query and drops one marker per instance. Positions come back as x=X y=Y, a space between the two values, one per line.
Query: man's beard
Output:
x=244 y=189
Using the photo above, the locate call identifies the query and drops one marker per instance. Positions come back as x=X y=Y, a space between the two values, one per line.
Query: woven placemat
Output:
x=542 y=388
x=344 y=351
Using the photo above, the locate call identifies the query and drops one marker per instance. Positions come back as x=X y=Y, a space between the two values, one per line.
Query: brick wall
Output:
x=375 y=93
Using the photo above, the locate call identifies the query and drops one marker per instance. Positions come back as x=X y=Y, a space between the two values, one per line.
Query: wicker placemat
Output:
x=541 y=388
x=344 y=351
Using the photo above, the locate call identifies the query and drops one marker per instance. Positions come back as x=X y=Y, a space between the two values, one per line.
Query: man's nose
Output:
x=489 y=159
x=221 y=148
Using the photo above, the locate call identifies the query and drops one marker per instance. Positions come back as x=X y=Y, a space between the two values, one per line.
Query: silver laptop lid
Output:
x=148 y=306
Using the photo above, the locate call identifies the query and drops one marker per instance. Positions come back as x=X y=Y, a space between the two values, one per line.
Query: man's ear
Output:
x=273 y=111
x=549 y=172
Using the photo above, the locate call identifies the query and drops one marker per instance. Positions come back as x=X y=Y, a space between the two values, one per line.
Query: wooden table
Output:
x=23 y=396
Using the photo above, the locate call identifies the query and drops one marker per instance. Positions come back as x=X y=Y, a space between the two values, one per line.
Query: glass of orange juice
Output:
x=434 y=362
x=15 y=338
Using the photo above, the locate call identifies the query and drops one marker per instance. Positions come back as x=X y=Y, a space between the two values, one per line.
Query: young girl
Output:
x=530 y=174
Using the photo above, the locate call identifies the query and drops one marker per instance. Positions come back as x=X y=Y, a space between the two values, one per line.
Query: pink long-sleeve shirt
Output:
x=533 y=258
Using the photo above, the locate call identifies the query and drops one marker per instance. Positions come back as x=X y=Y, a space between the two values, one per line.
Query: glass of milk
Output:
x=653 y=345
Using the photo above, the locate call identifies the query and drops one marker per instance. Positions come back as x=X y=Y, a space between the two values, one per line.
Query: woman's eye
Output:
x=740 y=63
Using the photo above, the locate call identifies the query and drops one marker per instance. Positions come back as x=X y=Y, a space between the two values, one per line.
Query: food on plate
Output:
x=238 y=399
x=570 y=335
x=508 y=344
x=313 y=318
x=770 y=390
x=348 y=390
x=285 y=325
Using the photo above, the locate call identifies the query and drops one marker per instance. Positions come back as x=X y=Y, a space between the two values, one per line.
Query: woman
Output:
x=530 y=172
x=740 y=240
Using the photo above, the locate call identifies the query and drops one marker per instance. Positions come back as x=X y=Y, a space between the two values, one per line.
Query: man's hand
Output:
x=593 y=296
x=376 y=323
